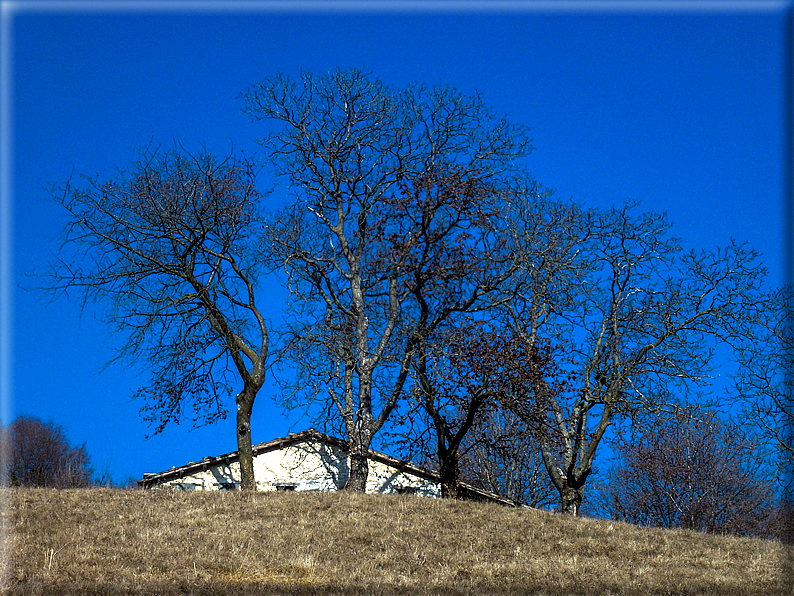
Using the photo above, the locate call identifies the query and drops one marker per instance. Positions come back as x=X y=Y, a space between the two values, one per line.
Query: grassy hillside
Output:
x=169 y=542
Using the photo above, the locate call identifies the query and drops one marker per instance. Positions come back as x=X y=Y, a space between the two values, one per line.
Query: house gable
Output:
x=305 y=461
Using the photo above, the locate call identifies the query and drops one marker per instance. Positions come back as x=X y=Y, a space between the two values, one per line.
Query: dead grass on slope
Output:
x=169 y=542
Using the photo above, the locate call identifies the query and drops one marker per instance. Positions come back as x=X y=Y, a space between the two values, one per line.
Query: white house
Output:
x=306 y=461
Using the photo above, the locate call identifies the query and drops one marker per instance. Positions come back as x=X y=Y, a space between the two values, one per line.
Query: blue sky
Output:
x=680 y=109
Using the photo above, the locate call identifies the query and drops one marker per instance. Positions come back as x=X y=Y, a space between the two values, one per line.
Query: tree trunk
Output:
x=245 y=451
x=359 y=439
x=359 y=471
x=571 y=499
x=449 y=473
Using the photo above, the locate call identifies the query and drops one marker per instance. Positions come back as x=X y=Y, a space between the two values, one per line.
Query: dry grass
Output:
x=168 y=542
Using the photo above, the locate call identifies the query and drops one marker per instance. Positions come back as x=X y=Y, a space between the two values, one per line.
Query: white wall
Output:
x=308 y=466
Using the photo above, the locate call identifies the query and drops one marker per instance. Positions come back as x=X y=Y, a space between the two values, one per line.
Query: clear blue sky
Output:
x=680 y=110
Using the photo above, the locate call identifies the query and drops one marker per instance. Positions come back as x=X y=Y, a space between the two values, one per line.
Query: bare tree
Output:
x=633 y=319
x=171 y=248
x=453 y=397
x=351 y=149
x=502 y=455
x=690 y=470
x=39 y=455
x=764 y=380
x=469 y=261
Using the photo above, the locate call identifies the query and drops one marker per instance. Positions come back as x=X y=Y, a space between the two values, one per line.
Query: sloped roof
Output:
x=467 y=491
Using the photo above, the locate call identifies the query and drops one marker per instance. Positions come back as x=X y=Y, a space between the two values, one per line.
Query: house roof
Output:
x=467 y=491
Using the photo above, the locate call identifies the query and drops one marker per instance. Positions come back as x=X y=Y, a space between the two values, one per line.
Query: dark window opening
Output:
x=407 y=490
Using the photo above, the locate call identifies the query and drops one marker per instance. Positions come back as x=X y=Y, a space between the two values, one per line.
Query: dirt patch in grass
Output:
x=170 y=542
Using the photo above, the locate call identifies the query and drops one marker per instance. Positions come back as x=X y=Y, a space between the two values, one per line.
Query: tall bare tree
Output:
x=764 y=382
x=350 y=148
x=469 y=261
x=170 y=248
x=633 y=318
x=453 y=397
